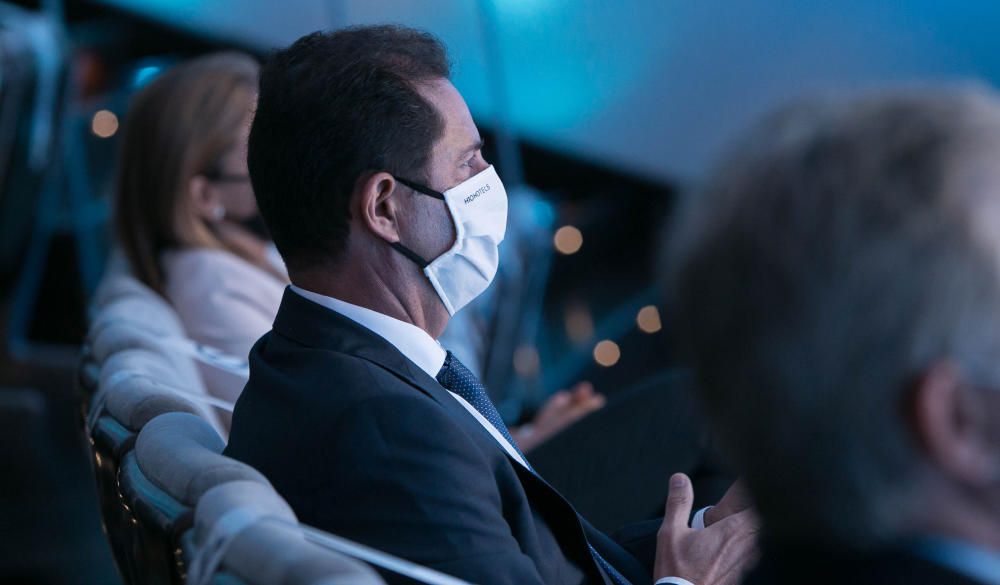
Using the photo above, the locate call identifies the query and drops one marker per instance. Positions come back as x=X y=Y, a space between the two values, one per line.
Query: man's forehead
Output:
x=460 y=132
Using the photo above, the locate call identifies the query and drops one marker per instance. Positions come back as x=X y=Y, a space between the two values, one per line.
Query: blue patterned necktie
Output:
x=456 y=378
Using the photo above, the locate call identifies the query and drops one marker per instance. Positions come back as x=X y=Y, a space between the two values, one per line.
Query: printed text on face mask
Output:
x=474 y=196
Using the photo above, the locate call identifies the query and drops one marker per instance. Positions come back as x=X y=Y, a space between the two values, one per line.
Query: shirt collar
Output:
x=411 y=341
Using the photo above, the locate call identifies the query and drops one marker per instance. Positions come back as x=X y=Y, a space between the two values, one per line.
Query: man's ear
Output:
x=952 y=422
x=378 y=209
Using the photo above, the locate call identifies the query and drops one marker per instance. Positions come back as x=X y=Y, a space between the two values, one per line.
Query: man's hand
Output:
x=735 y=500
x=718 y=555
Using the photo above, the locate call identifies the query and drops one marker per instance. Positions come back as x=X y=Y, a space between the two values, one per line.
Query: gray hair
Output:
x=842 y=249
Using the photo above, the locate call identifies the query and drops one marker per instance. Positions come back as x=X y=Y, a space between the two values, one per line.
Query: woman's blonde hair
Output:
x=179 y=126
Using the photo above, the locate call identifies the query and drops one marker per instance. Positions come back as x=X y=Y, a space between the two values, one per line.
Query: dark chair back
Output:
x=123 y=411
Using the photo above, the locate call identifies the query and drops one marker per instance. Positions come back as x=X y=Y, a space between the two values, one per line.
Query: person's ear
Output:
x=205 y=200
x=378 y=209
x=953 y=422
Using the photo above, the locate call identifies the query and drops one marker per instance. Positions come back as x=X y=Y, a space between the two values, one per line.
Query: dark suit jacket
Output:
x=364 y=444
x=895 y=567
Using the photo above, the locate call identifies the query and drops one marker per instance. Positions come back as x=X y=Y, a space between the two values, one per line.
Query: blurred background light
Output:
x=648 y=319
x=144 y=75
x=568 y=240
x=104 y=124
x=607 y=353
x=526 y=361
x=651 y=88
x=579 y=323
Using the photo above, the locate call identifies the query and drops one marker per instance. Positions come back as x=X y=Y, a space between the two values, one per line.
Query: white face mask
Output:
x=478 y=207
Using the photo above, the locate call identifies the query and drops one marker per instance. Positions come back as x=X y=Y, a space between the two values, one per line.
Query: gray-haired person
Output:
x=837 y=289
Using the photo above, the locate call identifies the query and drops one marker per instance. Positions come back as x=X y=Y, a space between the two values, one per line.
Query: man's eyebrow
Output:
x=473 y=148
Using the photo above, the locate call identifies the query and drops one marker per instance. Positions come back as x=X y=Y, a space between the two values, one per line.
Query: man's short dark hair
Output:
x=332 y=108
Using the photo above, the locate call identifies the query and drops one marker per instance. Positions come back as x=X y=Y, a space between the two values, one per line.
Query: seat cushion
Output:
x=151 y=364
x=151 y=312
x=138 y=400
x=259 y=550
x=157 y=375
x=111 y=338
x=292 y=559
x=182 y=454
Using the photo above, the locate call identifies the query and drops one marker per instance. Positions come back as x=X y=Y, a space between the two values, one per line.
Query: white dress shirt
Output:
x=414 y=343
x=428 y=355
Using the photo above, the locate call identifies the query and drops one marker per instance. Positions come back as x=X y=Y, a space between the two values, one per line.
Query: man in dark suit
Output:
x=368 y=170
x=837 y=288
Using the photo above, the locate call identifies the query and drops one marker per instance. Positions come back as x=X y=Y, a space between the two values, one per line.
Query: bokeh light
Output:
x=607 y=353
x=568 y=240
x=526 y=361
x=648 y=319
x=579 y=323
x=104 y=124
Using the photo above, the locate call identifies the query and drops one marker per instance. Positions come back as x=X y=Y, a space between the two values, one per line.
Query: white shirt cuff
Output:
x=698 y=522
x=673 y=581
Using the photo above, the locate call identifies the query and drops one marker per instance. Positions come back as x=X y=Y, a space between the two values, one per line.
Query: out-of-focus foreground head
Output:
x=180 y=131
x=837 y=289
x=334 y=108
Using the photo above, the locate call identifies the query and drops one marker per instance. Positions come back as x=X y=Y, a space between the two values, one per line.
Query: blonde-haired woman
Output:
x=183 y=198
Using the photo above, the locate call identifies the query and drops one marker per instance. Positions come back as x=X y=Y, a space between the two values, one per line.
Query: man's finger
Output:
x=679 y=501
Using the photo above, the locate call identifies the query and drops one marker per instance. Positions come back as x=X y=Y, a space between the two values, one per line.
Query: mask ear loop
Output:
x=416 y=258
x=421 y=189
x=398 y=246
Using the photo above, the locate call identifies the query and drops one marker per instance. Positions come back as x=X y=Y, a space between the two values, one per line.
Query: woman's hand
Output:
x=560 y=411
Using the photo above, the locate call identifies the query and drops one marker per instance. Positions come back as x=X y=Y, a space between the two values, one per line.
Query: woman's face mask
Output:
x=478 y=208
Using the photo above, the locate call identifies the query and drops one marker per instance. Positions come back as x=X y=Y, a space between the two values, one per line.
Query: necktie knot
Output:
x=459 y=380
